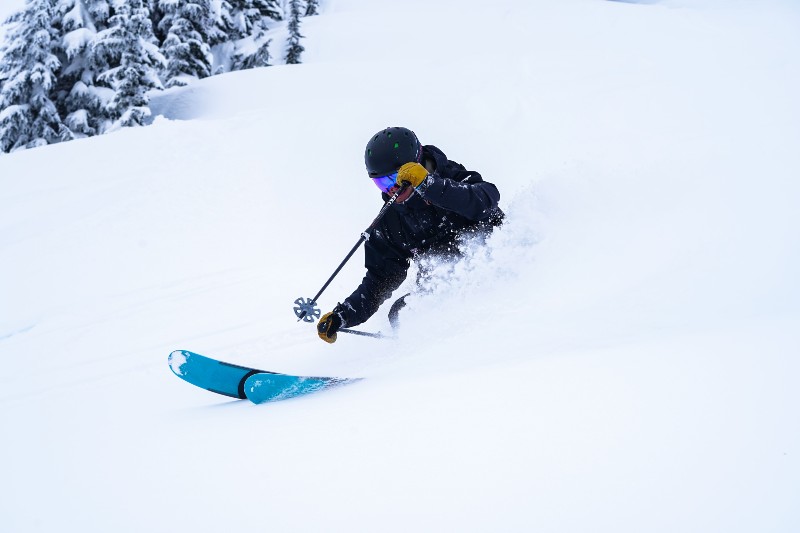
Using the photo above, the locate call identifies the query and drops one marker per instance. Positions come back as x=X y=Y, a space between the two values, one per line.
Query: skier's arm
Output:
x=386 y=271
x=475 y=201
x=465 y=193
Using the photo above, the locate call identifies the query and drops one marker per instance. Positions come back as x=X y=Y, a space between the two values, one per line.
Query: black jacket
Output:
x=452 y=201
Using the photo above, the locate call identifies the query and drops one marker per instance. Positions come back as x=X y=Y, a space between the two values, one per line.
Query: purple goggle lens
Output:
x=385 y=183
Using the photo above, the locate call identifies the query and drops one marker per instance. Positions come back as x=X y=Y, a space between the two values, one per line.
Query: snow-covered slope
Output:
x=622 y=356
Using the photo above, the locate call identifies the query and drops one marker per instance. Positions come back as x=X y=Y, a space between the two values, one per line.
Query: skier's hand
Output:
x=328 y=325
x=412 y=173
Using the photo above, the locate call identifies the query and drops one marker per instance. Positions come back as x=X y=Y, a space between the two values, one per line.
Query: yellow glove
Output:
x=412 y=173
x=328 y=325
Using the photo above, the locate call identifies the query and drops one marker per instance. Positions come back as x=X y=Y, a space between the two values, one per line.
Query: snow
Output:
x=8 y=8
x=176 y=361
x=76 y=40
x=621 y=356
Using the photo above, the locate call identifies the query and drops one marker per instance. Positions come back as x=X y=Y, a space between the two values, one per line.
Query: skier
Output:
x=442 y=201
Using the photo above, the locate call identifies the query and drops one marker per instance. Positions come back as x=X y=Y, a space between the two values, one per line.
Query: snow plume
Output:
x=505 y=254
x=490 y=280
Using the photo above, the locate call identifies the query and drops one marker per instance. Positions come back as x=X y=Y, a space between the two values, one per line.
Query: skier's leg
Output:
x=394 y=311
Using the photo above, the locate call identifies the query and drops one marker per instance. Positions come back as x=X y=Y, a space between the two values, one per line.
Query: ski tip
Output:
x=177 y=360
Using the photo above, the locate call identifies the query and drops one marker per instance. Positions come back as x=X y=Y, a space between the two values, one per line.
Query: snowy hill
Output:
x=622 y=356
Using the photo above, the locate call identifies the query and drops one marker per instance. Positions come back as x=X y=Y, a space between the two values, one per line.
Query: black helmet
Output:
x=389 y=149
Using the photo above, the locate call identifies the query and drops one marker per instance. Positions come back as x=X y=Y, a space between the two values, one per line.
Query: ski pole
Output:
x=365 y=333
x=307 y=310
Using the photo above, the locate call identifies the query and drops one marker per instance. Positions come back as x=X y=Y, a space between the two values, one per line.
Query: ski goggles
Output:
x=386 y=183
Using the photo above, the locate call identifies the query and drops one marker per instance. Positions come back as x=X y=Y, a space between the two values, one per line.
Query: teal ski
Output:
x=242 y=382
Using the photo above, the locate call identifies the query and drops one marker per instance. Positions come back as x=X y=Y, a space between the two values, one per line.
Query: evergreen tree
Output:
x=294 y=48
x=266 y=9
x=241 y=27
x=136 y=59
x=252 y=17
x=186 y=24
x=157 y=16
x=28 y=116
x=224 y=27
x=78 y=67
x=260 y=58
x=99 y=10
x=311 y=7
x=80 y=97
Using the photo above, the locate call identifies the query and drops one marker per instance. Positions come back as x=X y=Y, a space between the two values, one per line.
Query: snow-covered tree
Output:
x=259 y=58
x=28 y=116
x=136 y=60
x=157 y=15
x=253 y=17
x=80 y=97
x=294 y=48
x=224 y=26
x=240 y=27
x=74 y=68
x=311 y=8
x=265 y=9
x=186 y=25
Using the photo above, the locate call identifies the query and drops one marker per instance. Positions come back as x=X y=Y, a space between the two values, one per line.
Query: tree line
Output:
x=76 y=68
